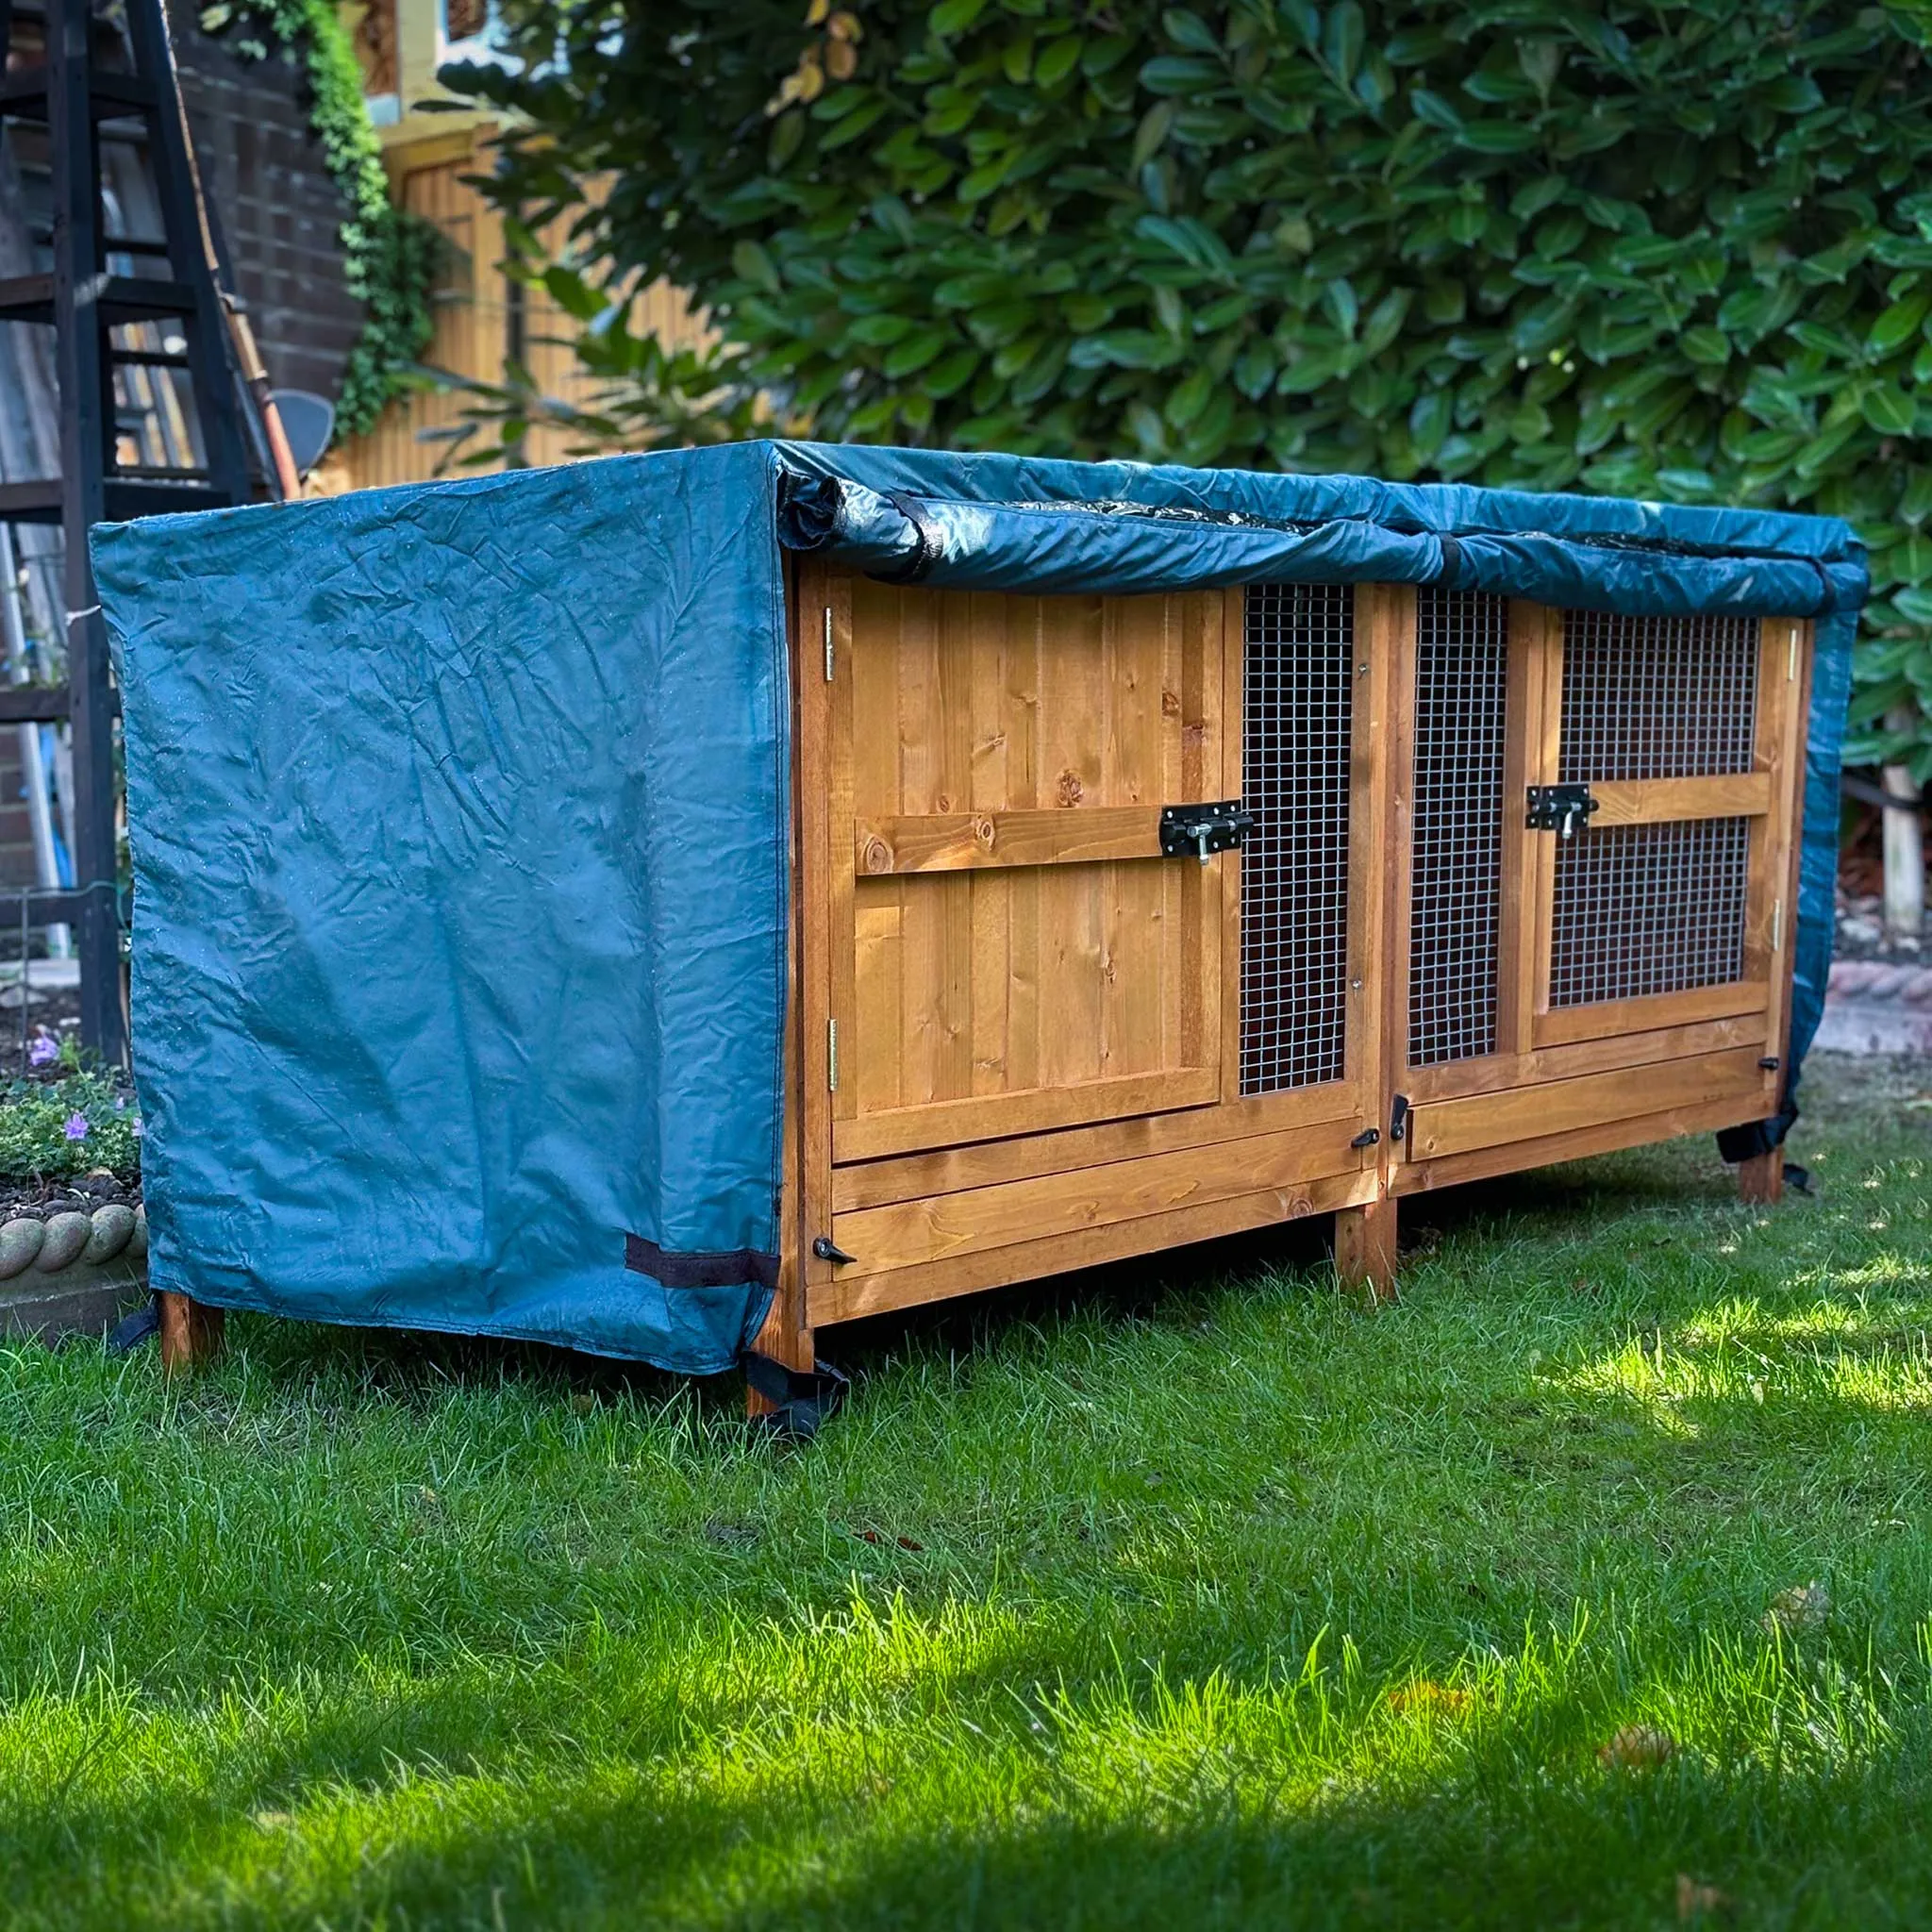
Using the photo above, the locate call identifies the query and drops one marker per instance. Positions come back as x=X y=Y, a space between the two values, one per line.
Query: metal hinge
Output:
x=1791 y=658
x=828 y=643
x=1559 y=808
x=1195 y=831
x=832 y=1054
x=1777 y=925
x=1399 y=1110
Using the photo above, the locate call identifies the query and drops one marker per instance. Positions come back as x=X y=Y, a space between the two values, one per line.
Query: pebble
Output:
x=19 y=1241
x=66 y=1235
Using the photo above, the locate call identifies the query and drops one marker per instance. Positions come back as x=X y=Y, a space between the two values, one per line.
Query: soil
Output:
x=73 y=1193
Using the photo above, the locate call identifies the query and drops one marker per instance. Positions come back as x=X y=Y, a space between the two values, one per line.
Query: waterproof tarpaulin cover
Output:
x=458 y=815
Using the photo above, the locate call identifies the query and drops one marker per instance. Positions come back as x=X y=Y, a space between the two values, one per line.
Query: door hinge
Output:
x=1398 y=1117
x=1367 y=1137
x=828 y=643
x=1195 y=831
x=1559 y=808
x=1791 y=656
x=832 y=1056
x=1777 y=925
x=829 y=1250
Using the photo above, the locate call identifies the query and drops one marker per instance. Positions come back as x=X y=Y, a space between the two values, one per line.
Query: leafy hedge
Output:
x=390 y=258
x=1681 y=248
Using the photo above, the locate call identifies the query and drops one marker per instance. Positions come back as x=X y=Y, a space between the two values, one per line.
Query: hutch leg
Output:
x=1762 y=1176
x=785 y=1338
x=191 y=1332
x=1365 y=1248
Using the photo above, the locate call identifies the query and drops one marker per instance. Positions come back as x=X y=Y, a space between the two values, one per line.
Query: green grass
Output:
x=1105 y=1603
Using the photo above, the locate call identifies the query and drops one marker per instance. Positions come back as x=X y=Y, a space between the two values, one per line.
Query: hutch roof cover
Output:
x=460 y=815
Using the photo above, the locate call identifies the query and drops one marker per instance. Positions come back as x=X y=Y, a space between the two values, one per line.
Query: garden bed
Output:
x=72 y=1227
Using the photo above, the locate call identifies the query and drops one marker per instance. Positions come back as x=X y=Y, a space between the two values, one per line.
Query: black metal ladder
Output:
x=72 y=93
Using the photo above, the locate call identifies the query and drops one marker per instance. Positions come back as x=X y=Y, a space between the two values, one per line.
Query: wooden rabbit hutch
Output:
x=925 y=872
x=1514 y=884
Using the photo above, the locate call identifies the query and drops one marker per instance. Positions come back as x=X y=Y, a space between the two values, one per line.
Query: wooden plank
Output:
x=193 y=1334
x=986 y=1163
x=1232 y=750
x=1543 y=753
x=1381 y=768
x=1456 y=1079
x=1651 y=801
x=1649 y=1011
x=851 y=1296
x=867 y=991
x=821 y=932
x=1523 y=751
x=960 y=840
x=1365 y=1247
x=1606 y=1136
x=991 y=898
x=1522 y=1113
x=1029 y=1111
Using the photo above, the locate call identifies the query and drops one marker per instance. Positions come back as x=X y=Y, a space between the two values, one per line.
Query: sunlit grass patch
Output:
x=1592 y=1579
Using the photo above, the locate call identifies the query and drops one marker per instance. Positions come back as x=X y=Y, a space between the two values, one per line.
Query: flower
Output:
x=139 y=1129
x=44 y=1051
x=76 y=1128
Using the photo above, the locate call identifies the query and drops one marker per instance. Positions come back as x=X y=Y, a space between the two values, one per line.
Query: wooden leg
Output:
x=784 y=1338
x=191 y=1333
x=1365 y=1248
x=1762 y=1177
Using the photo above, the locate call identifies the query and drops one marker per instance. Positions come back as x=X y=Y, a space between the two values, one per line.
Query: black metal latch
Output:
x=1559 y=808
x=1195 y=831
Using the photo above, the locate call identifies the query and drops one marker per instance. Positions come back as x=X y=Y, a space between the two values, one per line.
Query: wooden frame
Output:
x=928 y=726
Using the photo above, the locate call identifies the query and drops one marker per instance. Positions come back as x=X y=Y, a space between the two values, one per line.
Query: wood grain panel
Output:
x=853 y=1295
x=1455 y=1079
x=1012 y=929
x=1651 y=801
x=1560 y=1107
x=1604 y=1019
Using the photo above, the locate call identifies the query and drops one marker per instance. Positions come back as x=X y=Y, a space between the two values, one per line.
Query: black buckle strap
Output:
x=803 y=1400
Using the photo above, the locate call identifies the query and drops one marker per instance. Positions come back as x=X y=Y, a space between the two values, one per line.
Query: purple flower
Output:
x=76 y=1128
x=139 y=1130
x=44 y=1051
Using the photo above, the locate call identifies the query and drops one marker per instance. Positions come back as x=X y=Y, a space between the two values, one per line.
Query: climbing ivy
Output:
x=1681 y=248
x=390 y=258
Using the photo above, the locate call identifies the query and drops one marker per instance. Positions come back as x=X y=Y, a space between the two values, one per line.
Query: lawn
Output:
x=1189 y=1594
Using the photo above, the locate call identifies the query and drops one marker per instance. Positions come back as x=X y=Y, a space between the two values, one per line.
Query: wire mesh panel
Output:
x=1298 y=688
x=1651 y=908
x=1657 y=697
x=1456 y=877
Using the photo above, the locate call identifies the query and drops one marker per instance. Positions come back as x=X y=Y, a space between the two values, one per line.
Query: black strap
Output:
x=930 y=545
x=699 y=1268
x=1758 y=1137
x=802 y=1399
x=1452 y=559
x=132 y=1330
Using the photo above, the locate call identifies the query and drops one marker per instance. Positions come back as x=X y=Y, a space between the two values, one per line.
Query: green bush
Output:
x=1680 y=249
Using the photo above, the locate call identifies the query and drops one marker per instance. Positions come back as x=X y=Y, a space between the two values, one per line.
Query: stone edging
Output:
x=1876 y=1005
x=114 y=1233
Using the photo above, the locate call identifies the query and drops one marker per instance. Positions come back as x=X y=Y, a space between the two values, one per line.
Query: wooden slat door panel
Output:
x=1691 y=752
x=1011 y=953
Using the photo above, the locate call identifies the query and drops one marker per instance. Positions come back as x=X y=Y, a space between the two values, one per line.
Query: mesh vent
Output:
x=1461 y=681
x=1649 y=909
x=1657 y=697
x=1298 y=689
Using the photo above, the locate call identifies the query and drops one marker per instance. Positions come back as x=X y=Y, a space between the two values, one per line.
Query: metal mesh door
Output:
x=1461 y=681
x=1298 y=686
x=1654 y=908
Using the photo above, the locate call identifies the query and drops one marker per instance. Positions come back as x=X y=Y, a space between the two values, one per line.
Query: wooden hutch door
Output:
x=1010 y=953
x=1627 y=959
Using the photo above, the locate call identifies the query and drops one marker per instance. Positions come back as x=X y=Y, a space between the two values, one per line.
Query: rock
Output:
x=67 y=1236
x=113 y=1228
x=19 y=1241
x=136 y=1242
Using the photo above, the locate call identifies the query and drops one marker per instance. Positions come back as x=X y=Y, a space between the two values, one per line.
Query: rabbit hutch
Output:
x=671 y=906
